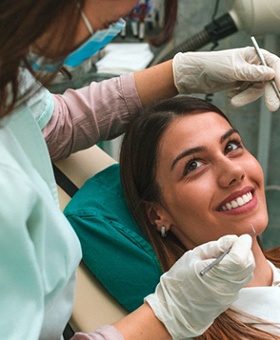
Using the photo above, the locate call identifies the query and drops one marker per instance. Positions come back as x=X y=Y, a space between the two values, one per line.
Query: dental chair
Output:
x=93 y=305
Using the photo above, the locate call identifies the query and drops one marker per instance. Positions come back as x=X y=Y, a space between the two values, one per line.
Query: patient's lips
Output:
x=239 y=201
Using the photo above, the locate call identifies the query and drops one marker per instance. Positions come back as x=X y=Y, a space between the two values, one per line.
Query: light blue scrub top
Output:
x=39 y=250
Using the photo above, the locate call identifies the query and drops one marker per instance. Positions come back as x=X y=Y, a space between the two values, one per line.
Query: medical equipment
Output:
x=215 y=262
x=272 y=82
x=253 y=16
x=219 y=258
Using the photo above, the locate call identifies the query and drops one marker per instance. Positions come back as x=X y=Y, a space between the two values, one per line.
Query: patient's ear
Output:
x=157 y=215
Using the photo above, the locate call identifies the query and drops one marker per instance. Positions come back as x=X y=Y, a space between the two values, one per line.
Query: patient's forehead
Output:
x=193 y=126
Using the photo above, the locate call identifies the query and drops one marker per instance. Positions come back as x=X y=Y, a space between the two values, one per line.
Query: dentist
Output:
x=39 y=250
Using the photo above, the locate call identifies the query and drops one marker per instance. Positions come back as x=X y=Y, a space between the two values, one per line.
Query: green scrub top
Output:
x=39 y=250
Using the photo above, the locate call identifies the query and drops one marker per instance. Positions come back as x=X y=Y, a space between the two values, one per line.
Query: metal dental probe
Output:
x=259 y=53
x=219 y=258
x=254 y=230
x=215 y=262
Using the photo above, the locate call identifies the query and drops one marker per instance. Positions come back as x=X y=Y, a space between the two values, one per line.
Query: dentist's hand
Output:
x=186 y=302
x=238 y=71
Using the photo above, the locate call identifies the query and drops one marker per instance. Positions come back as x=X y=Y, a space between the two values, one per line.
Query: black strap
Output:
x=64 y=182
x=70 y=188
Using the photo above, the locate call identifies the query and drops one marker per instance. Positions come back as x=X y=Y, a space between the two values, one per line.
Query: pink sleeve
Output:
x=103 y=333
x=94 y=113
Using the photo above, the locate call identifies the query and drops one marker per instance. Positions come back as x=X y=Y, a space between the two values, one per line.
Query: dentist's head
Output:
x=46 y=34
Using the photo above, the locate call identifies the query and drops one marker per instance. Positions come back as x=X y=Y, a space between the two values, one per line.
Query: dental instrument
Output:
x=219 y=258
x=214 y=263
x=259 y=53
x=254 y=230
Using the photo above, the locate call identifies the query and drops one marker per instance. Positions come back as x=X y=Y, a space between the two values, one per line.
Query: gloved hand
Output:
x=186 y=302
x=238 y=70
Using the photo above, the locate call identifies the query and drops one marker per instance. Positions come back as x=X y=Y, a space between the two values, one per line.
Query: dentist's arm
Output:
x=185 y=304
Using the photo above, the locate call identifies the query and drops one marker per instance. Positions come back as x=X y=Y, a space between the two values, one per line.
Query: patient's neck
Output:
x=263 y=273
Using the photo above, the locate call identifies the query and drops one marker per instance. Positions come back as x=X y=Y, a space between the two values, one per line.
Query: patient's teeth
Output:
x=245 y=198
x=238 y=202
x=234 y=204
x=228 y=205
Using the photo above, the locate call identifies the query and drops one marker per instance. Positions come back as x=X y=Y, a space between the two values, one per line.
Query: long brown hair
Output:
x=169 y=22
x=21 y=24
x=138 y=162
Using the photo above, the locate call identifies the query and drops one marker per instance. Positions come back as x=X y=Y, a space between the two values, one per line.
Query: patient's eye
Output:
x=233 y=145
x=192 y=165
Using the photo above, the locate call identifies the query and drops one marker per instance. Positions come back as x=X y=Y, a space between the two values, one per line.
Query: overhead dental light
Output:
x=253 y=16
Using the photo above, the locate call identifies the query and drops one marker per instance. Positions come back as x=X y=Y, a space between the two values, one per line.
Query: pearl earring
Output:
x=163 y=231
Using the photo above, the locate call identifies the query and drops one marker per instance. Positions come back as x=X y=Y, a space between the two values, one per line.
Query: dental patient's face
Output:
x=210 y=184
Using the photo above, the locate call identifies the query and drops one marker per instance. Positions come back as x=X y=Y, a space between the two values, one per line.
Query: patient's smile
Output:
x=238 y=202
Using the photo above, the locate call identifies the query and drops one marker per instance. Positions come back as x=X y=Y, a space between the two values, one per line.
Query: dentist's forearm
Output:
x=142 y=324
x=155 y=83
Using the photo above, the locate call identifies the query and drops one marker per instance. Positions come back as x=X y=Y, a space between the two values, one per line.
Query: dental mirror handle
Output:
x=259 y=53
x=214 y=263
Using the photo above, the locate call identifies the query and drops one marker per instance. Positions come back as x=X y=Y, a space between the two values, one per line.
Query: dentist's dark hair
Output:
x=169 y=22
x=21 y=24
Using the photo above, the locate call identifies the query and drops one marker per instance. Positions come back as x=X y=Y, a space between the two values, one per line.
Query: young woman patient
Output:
x=188 y=179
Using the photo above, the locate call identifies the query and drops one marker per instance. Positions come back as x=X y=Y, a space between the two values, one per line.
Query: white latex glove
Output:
x=238 y=70
x=186 y=302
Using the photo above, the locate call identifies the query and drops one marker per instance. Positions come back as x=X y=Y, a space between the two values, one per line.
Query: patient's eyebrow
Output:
x=228 y=134
x=187 y=153
x=200 y=148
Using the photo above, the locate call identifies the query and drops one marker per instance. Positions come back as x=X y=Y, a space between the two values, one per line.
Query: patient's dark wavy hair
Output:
x=138 y=165
x=22 y=22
